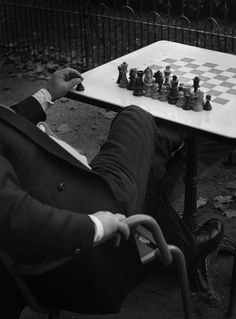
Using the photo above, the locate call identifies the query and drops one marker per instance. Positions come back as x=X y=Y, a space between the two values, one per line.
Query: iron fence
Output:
x=89 y=32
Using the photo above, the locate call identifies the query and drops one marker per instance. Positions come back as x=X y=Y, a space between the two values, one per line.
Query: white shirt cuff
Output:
x=44 y=98
x=99 y=231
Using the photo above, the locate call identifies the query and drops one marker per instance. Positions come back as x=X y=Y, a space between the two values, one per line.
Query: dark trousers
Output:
x=133 y=161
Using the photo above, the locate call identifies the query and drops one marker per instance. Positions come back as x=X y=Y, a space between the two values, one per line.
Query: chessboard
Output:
x=219 y=82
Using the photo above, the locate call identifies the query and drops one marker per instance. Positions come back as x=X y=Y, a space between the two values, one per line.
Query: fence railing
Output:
x=88 y=32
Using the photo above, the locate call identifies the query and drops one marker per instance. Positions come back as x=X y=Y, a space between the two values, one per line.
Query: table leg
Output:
x=190 y=216
x=201 y=278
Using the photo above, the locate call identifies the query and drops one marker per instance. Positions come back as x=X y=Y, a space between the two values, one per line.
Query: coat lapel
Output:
x=37 y=136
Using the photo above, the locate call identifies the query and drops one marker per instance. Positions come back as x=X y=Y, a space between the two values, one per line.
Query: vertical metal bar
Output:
x=190 y=216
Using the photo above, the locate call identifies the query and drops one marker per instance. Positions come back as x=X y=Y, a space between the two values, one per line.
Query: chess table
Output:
x=217 y=72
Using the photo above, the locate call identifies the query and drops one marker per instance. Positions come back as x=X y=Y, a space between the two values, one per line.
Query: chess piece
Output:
x=155 y=91
x=120 y=75
x=186 y=90
x=132 y=76
x=193 y=101
x=159 y=79
x=138 y=84
x=196 y=85
x=167 y=73
x=123 y=81
x=199 y=100
x=207 y=104
x=173 y=90
x=80 y=87
x=181 y=101
x=148 y=82
x=163 y=95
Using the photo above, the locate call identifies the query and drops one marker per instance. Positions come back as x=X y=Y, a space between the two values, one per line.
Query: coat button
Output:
x=61 y=187
x=77 y=251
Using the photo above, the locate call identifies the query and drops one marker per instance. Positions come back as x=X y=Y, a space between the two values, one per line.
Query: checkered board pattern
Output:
x=220 y=83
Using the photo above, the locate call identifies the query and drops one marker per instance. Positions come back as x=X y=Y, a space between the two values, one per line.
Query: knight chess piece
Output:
x=138 y=84
x=132 y=76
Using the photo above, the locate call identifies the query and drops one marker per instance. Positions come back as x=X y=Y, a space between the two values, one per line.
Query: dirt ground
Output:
x=86 y=127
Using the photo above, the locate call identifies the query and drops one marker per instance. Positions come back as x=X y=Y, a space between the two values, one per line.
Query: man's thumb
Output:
x=73 y=82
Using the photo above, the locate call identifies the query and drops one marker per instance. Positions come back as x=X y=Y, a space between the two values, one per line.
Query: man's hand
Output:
x=62 y=81
x=113 y=224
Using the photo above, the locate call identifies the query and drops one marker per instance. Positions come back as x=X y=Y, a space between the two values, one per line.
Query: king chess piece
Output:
x=196 y=85
x=138 y=84
x=167 y=73
x=132 y=76
x=207 y=104
x=173 y=90
x=124 y=81
x=148 y=82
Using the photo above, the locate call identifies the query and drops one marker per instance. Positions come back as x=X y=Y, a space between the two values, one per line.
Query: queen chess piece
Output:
x=124 y=81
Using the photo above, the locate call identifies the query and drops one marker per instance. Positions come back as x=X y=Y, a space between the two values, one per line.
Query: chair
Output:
x=231 y=312
x=166 y=253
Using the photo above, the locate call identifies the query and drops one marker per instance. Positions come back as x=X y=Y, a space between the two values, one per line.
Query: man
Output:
x=55 y=206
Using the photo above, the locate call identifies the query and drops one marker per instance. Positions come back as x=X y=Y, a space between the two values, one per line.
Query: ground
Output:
x=86 y=127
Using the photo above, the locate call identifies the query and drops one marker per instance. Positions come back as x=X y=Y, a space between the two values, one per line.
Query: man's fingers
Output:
x=123 y=229
x=70 y=73
x=72 y=83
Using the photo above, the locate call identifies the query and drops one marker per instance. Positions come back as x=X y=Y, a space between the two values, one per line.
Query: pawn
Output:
x=80 y=87
x=163 y=95
x=207 y=104
x=181 y=101
x=155 y=91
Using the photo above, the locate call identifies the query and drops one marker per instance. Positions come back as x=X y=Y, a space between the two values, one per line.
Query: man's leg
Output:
x=134 y=145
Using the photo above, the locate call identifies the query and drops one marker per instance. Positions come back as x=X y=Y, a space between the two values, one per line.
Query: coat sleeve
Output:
x=33 y=231
x=31 y=109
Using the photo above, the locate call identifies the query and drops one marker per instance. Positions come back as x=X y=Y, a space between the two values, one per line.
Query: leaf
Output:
x=230 y=213
x=201 y=202
x=220 y=206
x=224 y=199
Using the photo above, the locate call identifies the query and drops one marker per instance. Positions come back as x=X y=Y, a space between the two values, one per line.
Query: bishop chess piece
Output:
x=132 y=76
x=207 y=104
x=196 y=85
x=124 y=81
x=138 y=84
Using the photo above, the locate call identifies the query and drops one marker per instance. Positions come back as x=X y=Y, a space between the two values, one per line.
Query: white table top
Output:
x=216 y=70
